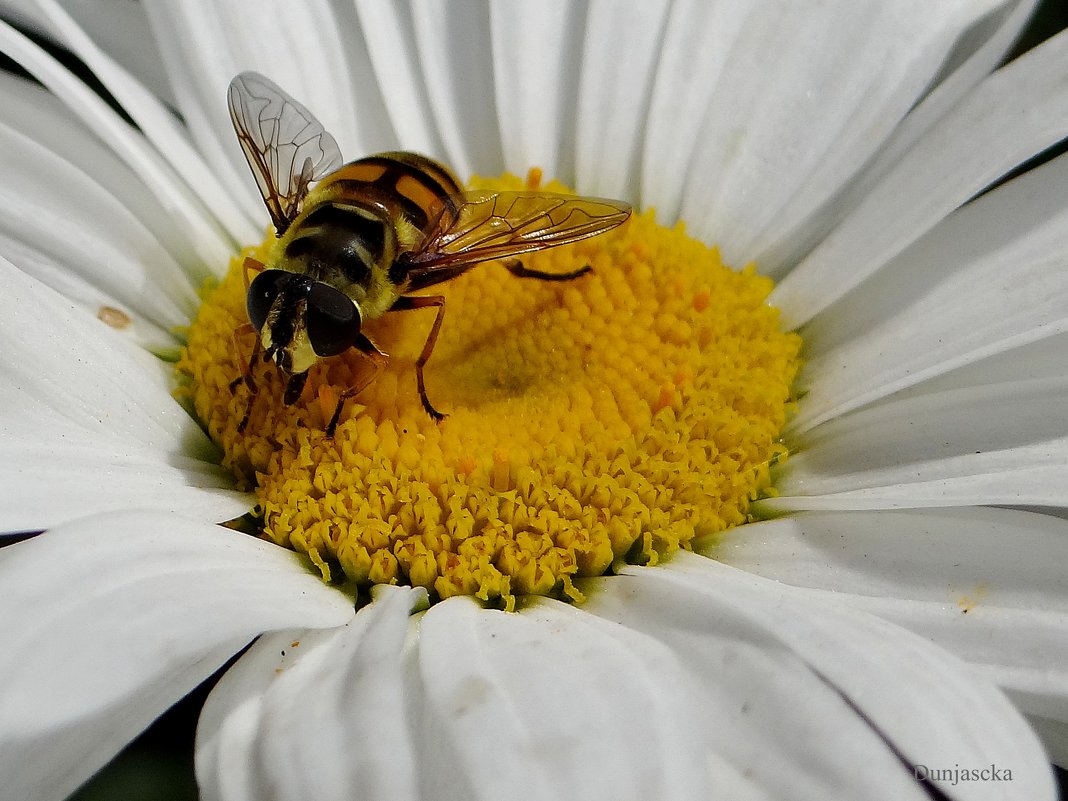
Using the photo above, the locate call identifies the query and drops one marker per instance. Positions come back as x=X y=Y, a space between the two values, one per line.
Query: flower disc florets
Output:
x=605 y=420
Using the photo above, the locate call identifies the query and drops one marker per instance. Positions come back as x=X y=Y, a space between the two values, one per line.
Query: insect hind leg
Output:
x=520 y=270
x=407 y=303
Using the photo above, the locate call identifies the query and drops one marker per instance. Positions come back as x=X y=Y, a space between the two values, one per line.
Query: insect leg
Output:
x=377 y=359
x=249 y=266
x=246 y=367
x=294 y=386
x=246 y=370
x=519 y=270
x=406 y=303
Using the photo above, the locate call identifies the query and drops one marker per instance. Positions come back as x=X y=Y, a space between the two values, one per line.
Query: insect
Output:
x=368 y=234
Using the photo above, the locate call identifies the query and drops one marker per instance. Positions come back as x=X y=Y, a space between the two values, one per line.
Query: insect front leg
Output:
x=246 y=370
x=406 y=303
x=520 y=270
x=377 y=359
x=248 y=267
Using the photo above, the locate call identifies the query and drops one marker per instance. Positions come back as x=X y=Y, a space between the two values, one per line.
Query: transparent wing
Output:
x=483 y=225
x=286 y=147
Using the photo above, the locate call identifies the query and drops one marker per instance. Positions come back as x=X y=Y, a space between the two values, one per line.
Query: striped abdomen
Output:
x=359 y=219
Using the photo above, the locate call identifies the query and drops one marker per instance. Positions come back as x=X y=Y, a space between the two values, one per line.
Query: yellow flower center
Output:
x=595 y=422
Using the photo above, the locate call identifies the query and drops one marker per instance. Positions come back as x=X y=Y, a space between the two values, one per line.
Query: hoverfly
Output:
x=367 y=235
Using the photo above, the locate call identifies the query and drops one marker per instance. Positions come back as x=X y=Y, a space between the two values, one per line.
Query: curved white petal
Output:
x=298 y=45
x=71 y=473
x=465 y=709
x=1008 y=428
x=694 y=681
x=987 y=32
x=748 y=155
x=121 y=28
x=39 y=115
x=904 y=702
x=390 y=40
x=88 y=423
x=1014 y=114
x=196 y=223
x=537 y=55
x=986 y=584
x=453 y=42
x=56 y=355
x=58 y=275
x=553 y=702
x=64 y=166
x=989 y=279
x=109 y=620
x=550 y=701
x=700 y=41
x=50 y=206
x=619 y=56
x=984 y=34
x=322 y=714
x=156 y=122
x=1043 y=359
x=374 y=132
x=1008 y=485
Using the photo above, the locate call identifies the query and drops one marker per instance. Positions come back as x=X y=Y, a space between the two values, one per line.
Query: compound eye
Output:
x=262 y=293
x=333 y=320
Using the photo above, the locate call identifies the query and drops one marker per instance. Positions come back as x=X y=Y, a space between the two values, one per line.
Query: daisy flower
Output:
x=786 y=531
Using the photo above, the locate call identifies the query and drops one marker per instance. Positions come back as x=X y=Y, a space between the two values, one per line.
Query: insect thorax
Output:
x=359 y=219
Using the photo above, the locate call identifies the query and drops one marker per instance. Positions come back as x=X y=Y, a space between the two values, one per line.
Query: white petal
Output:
x=374 y=132
x=50 y=206
x=958 y=433
x=58 y=275
x=69 y=474
x=900 y=694
x=537 y=54
x=986 y=584
x=156 y=122
x=321 y=714
x=987 y=280
x=717 y=684
x=747 y=154
x=553 y=702
x=620 y=53
x=1045 y=358
x=453 y=42
x=51 y=345
x=1006 y=485
x=88 y=421
x=204 y=44
x=390 y=39
x=983 y=47
x=110 y=620
x=991 y=32
x=980 y=35
x=37 y=115
x=194 y=221
x=1019 y=111
x=121 y=28
x=699 y=43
